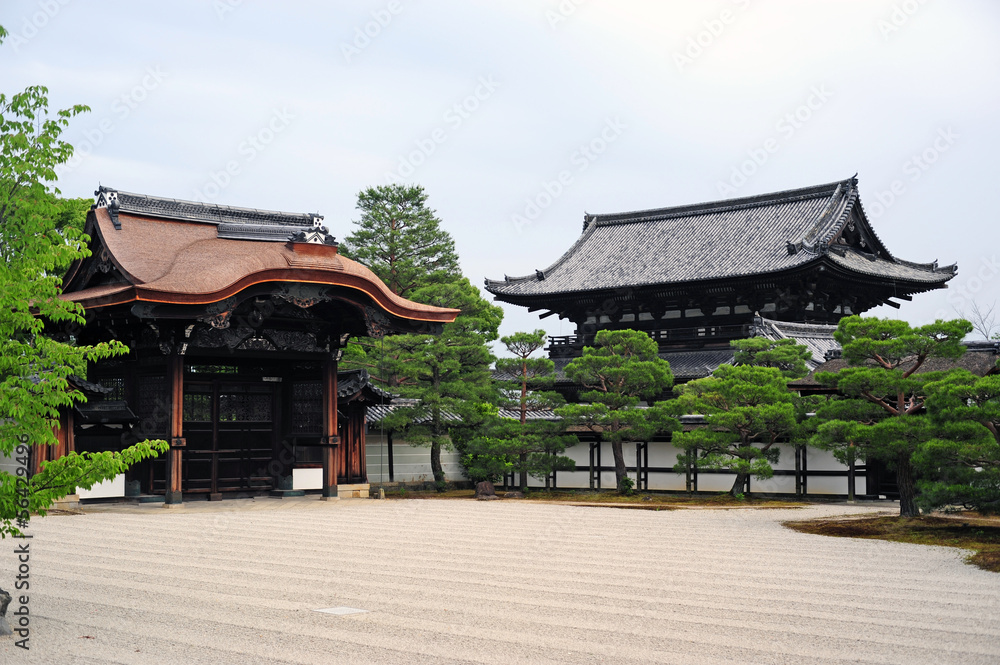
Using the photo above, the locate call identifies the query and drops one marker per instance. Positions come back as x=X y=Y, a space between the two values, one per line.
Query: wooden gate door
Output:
x=244 y=436
x=230 y=431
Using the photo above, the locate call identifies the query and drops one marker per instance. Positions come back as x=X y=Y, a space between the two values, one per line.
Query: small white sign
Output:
x=342 y=610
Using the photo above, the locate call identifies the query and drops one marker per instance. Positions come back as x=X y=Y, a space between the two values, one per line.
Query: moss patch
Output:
x=966 y=531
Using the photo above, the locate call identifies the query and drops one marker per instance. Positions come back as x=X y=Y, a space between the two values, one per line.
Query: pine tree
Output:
x=786 y=355
x=401 y=240
x=748 y=409
x=962 y=462
x=622 y=368
x=448 y=374
x=536 y=446
x=884 y=357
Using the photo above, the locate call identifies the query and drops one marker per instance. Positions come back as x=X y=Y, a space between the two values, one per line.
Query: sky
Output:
x=517 y=117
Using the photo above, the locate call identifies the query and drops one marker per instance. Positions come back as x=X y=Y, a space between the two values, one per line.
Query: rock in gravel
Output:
x=5 y=599
x=514 y=495
x=485 y=488
x=488 y=497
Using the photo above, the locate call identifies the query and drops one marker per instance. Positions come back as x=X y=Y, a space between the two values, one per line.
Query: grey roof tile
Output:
x=685 y=365
x=980 y=358
x=868 y=264
x=817 y=337
x=232 y=222
x=723 y=239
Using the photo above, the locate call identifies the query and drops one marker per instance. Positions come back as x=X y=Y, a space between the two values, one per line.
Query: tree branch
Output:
x=879 y=402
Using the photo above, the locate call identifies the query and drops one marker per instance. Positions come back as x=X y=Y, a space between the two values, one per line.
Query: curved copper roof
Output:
x=182 y=261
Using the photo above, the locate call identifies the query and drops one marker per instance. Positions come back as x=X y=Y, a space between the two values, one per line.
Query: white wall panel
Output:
x=114 y=487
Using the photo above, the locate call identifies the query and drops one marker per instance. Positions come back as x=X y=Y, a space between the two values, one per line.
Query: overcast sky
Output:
x=297 y=106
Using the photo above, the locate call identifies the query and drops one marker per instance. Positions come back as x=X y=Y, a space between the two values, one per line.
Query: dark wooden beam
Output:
x=388 y=443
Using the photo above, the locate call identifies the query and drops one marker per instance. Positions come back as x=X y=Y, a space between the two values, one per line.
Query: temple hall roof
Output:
x=734 y=238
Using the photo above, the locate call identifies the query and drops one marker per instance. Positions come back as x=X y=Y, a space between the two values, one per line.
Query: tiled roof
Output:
x=206 y=213
x=723 y=239
x=868 y=264
x=376 y=412
x=352 y=382
x=685 y=365
x=817 y=337
x=688 y=365
x=980 y=358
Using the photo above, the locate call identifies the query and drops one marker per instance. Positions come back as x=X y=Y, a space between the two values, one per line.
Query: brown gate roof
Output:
x=157 y=250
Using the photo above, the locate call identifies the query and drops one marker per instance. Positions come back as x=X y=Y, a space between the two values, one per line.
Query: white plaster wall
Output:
x=115 y=487
x=8 y=464
x=775 y=485
x=411 y=464
x=820 y=460
x=664 y=455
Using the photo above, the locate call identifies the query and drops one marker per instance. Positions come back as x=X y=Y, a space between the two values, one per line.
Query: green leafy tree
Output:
x=621 y=369
x=536 y=445
x=748 y=410
x=401 y=240
x=448 y=374
x=40 y=236
x=962 y=464
x=20 y=495
x=885 y=356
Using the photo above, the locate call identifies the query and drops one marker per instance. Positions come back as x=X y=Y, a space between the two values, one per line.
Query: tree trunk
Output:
x=620 y=472
x=524 y=471
x=739 y=485
x=907 y=487
x=436 y=460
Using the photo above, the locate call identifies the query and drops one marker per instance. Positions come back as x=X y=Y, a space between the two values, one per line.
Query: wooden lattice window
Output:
x=198 y=407
x=307 y=407
x=117 y=385
x=153 y=404
x=245 y=404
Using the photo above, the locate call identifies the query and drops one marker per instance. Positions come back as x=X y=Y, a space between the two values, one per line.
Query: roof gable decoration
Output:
x=108 y=198
x=842 y=225
x=317 y=235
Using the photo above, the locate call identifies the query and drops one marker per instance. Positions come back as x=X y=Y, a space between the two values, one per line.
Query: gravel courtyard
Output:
x=237 y=582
